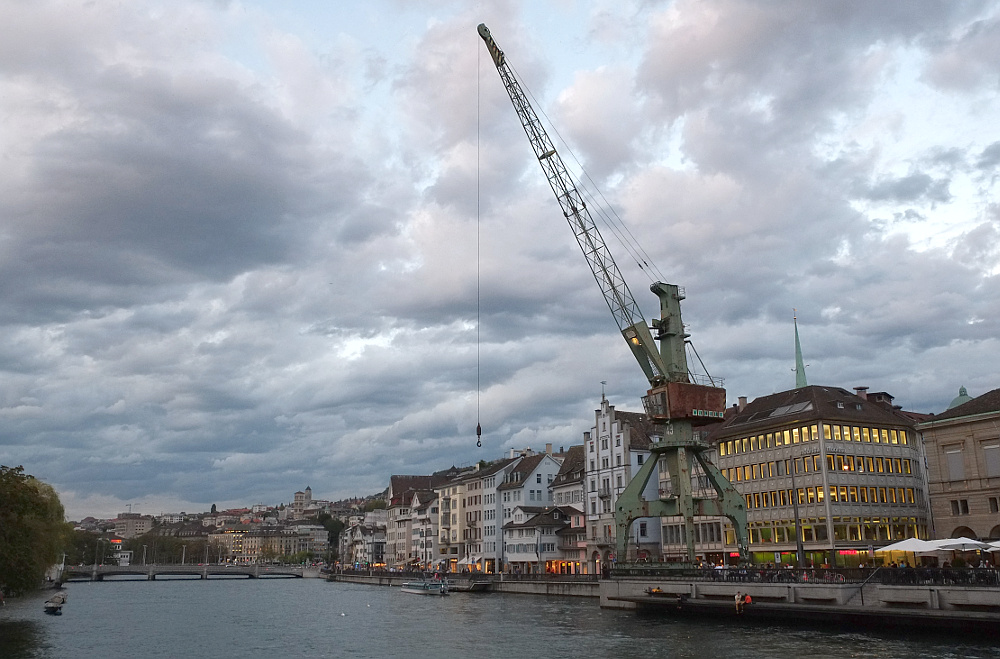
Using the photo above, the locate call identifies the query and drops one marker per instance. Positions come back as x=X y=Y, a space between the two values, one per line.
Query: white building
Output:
x=616 y=447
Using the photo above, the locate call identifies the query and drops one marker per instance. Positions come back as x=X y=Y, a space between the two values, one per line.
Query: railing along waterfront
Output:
x=890 y=576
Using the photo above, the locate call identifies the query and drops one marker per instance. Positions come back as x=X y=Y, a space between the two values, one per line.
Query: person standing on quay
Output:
x=739 y=602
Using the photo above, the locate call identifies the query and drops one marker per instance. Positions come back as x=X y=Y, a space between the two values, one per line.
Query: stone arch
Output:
x=963 y=532
x=595 y=560
x=995 y=532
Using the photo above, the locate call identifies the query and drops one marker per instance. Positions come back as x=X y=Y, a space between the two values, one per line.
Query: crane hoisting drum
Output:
x=675 y=402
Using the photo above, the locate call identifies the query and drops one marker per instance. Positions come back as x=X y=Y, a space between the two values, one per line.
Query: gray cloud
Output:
x=232 y=266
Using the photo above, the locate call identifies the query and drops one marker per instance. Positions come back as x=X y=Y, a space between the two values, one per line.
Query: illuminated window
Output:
x=868 y=439
x=828 y=431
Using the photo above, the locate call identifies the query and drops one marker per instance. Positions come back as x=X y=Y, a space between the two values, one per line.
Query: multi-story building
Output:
x=568 y=490
x=131 y=525
x=528 y=484
x=451 y=523
x=836 y=473
x=301 y=502
x=568 y=485
x=492 y=544
x=424 y=528
x=471 y=527
x=399 y=516
x=615 y=448
x=963 y=467
x=532 y=543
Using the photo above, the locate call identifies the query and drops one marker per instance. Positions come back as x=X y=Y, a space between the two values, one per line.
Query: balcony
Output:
x=602 y=541
x=604 y=492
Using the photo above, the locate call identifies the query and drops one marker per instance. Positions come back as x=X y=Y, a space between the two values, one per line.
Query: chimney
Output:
x=562 y=449
x=862 y=392
x=548 y=449
x=742 y=403
x=512 y=453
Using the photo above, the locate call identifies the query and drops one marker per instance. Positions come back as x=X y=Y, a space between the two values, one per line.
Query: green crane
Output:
x=675 y=402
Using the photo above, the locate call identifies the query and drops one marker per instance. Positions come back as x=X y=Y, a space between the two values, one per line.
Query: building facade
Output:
x=835 y=473
x=614 y=449
x=963 y=467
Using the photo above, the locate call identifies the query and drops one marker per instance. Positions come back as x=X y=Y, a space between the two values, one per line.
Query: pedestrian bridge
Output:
x=152 y=572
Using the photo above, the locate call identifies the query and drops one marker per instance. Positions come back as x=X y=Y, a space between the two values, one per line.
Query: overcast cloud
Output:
x=247 y=247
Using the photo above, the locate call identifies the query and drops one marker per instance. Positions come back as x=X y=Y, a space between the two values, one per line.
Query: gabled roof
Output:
x=988 y=402
x=807 y=404
x=516 y=477
x=640 y=429
x=544 y=516
x=573 y=467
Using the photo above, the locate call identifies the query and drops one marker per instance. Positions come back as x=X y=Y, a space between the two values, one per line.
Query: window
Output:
x=991 y=456
x=642 y=529
x=538 y=478
x=994 y=504
x=956 y=464
x=960 y=507
x=639 y=458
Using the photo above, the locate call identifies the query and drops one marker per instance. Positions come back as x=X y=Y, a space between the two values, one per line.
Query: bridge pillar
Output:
x=151 y=576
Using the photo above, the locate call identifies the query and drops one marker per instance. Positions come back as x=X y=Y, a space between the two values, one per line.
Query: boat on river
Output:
x=426 y=587
x=53 y=605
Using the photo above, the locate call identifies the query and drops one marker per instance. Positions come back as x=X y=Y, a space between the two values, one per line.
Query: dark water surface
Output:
x=312 y=618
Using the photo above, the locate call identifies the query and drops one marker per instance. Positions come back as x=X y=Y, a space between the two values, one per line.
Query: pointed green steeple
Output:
x=800 y=368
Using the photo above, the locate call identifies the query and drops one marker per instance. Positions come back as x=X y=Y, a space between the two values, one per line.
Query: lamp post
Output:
x=184 y=549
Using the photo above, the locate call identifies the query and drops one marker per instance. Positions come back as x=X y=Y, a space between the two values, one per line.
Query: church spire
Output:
x=800 y=368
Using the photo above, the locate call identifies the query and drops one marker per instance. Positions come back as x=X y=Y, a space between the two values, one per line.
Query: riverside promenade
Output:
x=927 y=599
x=965 y=601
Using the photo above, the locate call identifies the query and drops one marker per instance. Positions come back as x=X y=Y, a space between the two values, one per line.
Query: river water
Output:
x=285 y=618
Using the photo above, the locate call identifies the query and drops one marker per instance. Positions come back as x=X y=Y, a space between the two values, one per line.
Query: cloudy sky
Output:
x=247 y=247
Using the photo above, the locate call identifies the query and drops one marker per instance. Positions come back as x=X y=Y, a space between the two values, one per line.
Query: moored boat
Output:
x=53 y=605
x=426 y=587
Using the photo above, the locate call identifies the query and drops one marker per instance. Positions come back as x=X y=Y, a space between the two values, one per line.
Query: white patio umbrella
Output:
x=961 y=544
x=914 y=545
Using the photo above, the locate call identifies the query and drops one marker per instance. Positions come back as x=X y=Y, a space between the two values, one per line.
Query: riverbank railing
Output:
x=893 y=576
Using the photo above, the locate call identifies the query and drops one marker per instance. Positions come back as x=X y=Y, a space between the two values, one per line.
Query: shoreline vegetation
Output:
x=33 y=531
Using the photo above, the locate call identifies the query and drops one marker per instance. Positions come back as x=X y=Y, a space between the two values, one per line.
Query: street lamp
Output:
x=144 y=554
x=184 y=549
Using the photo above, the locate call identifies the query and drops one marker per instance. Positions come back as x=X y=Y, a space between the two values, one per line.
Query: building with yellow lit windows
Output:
x=826 y=473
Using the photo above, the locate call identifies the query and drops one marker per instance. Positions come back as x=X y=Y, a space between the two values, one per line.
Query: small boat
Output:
x=426 y=587
x=53 y=605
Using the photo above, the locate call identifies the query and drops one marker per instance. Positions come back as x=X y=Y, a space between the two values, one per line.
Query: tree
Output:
x=33 y=532
x=214 y=510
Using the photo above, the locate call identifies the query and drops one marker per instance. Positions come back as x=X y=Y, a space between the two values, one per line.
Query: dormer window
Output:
x=840 y=404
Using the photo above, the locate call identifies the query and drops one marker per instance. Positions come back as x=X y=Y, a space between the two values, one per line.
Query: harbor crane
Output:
x=676 y=402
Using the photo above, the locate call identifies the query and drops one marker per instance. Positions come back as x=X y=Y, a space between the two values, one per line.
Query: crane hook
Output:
x=479 y=436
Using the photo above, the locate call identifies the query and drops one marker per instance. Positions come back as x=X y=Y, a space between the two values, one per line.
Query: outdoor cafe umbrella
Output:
x=911 y=545
x=961 y=544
